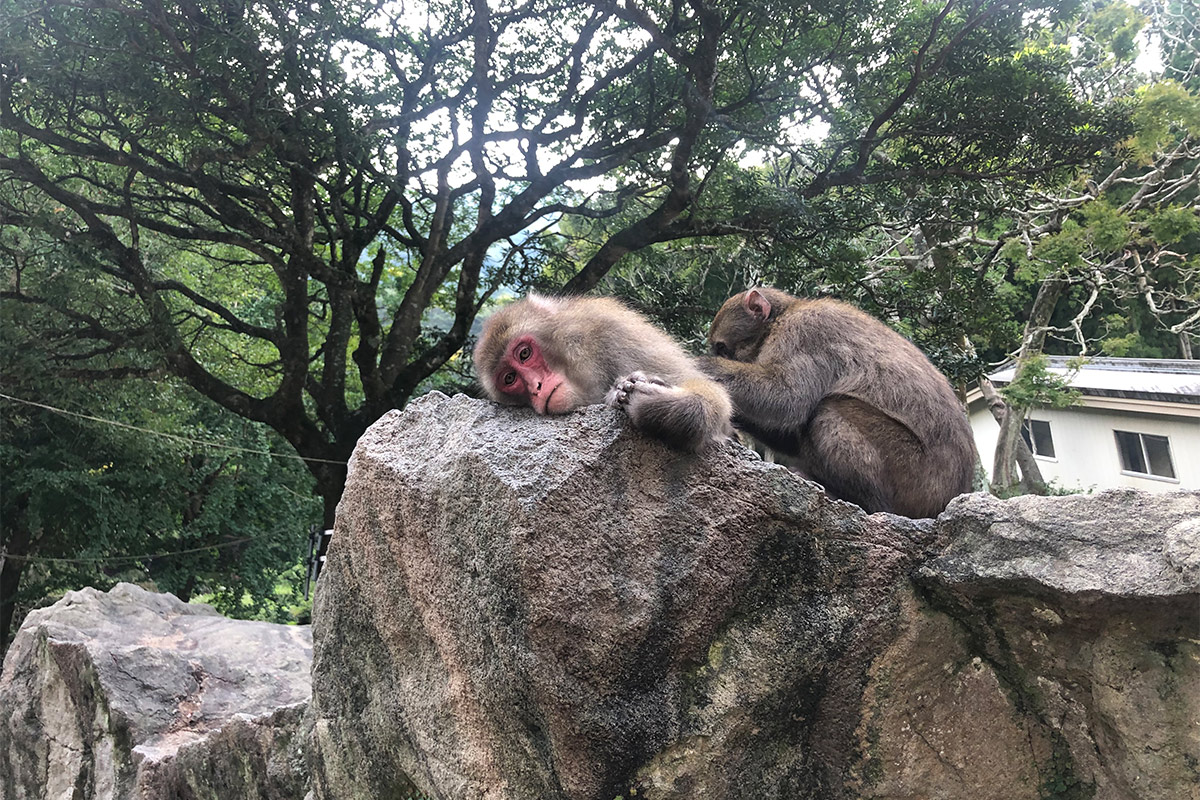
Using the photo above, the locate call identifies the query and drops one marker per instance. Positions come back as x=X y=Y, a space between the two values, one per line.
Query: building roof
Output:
x=1164 y=380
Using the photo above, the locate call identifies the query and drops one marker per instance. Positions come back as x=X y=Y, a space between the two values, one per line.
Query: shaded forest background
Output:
x=239 y=232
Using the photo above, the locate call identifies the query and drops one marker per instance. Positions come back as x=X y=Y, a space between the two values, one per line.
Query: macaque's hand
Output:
x=688 y=416
x=637 y=383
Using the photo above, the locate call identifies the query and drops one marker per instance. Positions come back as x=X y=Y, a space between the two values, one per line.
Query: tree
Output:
x=978 y=268
x=1103 y=259
x=287 y=192
x=169 y=488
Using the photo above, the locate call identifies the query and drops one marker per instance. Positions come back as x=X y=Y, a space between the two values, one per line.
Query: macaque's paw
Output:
x=635 y=383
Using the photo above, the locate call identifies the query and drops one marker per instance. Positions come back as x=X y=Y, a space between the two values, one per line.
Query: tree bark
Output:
x=1031 y=475
x=12 y=565
x=1004 y=467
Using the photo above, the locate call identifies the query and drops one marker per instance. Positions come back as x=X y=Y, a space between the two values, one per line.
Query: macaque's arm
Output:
x=763 y=392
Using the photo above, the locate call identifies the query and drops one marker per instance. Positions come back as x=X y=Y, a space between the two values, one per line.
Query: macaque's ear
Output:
x=757 y=305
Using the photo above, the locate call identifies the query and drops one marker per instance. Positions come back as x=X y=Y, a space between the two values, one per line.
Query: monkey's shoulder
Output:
x=827 y=315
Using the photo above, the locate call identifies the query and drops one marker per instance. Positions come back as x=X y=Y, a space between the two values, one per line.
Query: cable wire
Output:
x=119 y=559
x=172 y=436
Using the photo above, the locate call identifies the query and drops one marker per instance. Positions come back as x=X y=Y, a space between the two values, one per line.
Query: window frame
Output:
x=1141 y=437
x=1031 y=439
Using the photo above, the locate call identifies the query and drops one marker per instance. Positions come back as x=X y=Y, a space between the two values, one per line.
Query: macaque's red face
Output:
x=523 y=377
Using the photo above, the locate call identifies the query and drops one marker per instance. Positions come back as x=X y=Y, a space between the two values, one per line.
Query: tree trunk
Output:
x=12 y=565
x=1031 y=475
x=1004 y=470
x=330 y=488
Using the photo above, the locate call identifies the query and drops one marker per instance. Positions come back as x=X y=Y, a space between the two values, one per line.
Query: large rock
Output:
x=131 y=694
x=516 y=607
x=522 y=607
x=1072 y=626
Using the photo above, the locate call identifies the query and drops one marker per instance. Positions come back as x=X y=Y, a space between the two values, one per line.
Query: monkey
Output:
x=857 y=406
x=559 y=354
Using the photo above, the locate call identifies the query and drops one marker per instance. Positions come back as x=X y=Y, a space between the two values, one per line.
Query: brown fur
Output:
x=610 y=353
x=859 y=407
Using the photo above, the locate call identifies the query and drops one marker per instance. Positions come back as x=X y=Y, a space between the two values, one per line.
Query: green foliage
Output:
x=1011 y=113
x=1107 y=230
x=284 y=602
x=1035 y=386
x=1061 y=251
x=248 y=177
x=141 y=497
x=1129 y=331
x=1173 y=224
x=1130 y=345
x=1164 y=111
x=1117 y=25
x=998 y=118
x=102 y=503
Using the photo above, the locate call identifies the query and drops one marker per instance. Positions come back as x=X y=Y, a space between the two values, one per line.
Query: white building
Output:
x=1137 y=424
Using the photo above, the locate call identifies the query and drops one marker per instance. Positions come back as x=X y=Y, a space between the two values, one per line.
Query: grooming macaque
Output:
x=855 y=404
x=558 y=354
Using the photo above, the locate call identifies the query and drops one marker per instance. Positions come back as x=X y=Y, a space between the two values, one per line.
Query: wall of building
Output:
x=1085 y=448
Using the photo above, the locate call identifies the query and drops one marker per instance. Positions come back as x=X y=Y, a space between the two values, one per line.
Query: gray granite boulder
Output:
x=525 y=607
x=519 y=607
x=135 y=695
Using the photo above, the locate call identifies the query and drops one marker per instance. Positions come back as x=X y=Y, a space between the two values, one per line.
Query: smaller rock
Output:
x=1118 y=543
x=1087 y=608
x=132 y=694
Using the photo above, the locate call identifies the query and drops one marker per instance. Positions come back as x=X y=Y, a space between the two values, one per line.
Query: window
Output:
x=1145 y=454
x=1036 y=434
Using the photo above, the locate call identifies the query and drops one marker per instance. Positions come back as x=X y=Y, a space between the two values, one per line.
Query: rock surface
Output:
x=1083 y=613
x=517 y=607
x=522 y=607
x=131 y=694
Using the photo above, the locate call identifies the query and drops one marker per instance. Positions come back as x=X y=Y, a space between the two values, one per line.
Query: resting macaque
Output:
x=558 y=354
x=858 y=406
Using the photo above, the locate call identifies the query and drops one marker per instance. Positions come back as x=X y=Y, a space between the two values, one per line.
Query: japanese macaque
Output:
x=558 y=354
x=856 y=405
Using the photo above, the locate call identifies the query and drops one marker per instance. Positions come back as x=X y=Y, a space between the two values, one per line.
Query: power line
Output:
x=141 y=556
x=119 y=559
x=171 y=436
